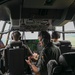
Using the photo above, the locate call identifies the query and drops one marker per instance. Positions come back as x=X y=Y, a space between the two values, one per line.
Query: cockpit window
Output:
x=70 y=32
x=67 y=32
x=31 y=35
x=6 y=27
x=1 y=25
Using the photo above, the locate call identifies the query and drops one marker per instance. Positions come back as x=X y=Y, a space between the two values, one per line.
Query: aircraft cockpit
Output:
x=29 y=17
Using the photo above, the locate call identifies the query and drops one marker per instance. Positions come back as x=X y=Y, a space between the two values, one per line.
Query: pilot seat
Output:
x=15 y=58
x=66 y=64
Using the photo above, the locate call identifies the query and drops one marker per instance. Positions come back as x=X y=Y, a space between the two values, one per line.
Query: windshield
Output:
x=69 y=32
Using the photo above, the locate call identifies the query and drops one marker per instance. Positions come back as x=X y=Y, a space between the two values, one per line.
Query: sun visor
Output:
x=4 y=13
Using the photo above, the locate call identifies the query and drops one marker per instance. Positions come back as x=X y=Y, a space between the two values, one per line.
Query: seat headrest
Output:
x=67 y=59
x=15 y=43
x=65 y=42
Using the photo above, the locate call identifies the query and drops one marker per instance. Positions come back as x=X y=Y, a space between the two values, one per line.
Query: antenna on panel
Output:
x=21 y=21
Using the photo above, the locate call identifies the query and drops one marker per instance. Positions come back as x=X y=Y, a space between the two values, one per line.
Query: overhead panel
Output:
x=38 y=9
x=34 y=12
x=49 y=4
x=32 y=25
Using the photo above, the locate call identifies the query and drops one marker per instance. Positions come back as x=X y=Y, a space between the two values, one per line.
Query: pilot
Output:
x=49 y=52
x=1 y=43
x=16 y=36
x=55 y=37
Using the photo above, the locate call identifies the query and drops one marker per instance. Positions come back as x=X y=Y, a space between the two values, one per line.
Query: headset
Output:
x=45 y=41
x=45 y=37
x=17 y=34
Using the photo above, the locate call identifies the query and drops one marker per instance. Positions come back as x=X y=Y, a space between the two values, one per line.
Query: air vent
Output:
x=49 y=2
x=30 y=21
